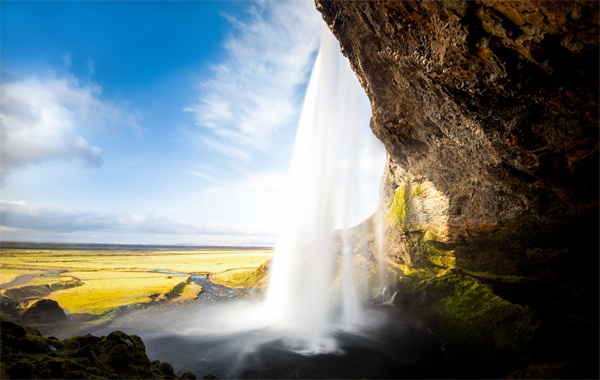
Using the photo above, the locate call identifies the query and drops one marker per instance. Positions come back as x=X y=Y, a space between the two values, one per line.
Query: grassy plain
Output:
x=209 y=261
x=103 y=291
x=96 y=283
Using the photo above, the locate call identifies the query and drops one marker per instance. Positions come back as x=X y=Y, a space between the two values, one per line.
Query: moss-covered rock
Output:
x=491 y=325
x=481 y=332
x=26 y=354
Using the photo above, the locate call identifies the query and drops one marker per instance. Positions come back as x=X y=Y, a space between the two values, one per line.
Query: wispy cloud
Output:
x=254 y=91
x=43 y=117
x=55 y=219
x=202 y=175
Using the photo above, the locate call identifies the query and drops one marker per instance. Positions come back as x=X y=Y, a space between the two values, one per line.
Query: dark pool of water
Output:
x=200 y=338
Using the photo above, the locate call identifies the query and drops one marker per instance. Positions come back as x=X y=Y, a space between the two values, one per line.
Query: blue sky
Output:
x=151 y=122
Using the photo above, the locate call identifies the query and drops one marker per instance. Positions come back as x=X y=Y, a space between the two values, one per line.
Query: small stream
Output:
x=21 y=280
x=212 y=292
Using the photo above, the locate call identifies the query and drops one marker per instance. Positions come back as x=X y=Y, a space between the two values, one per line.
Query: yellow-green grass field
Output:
x=97 y=283
x=104 y=291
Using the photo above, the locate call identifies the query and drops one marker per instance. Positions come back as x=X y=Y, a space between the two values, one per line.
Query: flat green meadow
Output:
x=95 y=283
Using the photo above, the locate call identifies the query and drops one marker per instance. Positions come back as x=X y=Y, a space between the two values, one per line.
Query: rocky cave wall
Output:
x=489 y=114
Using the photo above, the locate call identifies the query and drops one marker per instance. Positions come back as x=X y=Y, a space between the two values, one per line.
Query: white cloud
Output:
x=43 y=117
x=225 y=148
x=21 y=217
x=254 y=91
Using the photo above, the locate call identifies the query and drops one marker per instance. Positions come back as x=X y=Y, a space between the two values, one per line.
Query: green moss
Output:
x=118 y=356
x=476 y=325
x=429 y=249
x=443 y=261
x=418 y=190
x=421 y=273
x=399 y=207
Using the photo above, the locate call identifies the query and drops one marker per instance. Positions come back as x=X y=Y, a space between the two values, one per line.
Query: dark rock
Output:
x=87 y=340
x=188 y=375
x=70 y=344
x=10 y=328
x=86 y=352
x=55 y=368
x=45 y=310
x=166 y=369
x=118 y=356
x=120 y=337
x=21 y=369
x=490 y=122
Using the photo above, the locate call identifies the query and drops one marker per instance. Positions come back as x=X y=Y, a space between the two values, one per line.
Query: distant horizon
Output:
x=24 y=244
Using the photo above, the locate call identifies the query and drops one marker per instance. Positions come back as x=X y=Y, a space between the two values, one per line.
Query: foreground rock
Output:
x=26 y=354
x=489 y=114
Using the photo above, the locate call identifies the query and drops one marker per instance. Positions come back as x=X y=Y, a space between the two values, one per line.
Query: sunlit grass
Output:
x=193 y=262
x=50 y=279
x=103 y=291
x=114 y=279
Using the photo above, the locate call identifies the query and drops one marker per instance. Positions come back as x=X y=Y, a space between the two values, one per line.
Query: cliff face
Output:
x=489 y=114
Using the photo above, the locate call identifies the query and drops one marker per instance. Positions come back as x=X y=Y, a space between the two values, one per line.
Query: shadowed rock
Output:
x=117 y=355
x=45 y=310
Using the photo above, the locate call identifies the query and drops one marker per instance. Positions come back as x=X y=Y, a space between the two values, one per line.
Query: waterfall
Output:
x=319 y=198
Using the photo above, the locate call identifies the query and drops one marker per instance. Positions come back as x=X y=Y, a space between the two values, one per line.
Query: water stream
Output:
x=320 y=194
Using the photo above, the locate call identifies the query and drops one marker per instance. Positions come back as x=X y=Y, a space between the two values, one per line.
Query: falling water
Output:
x=319 y=193
x=382 y=272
